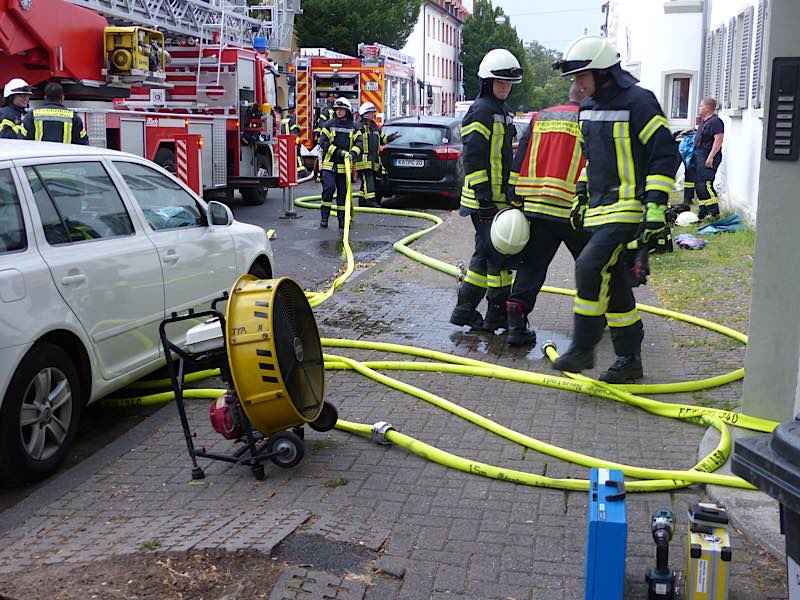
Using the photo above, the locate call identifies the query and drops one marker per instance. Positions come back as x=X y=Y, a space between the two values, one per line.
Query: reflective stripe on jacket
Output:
x=487 y=133
x=548 y=162
x=289 y=126
x=372 y=138
x=339 y=134
x=53 y=122
x=11 y=125
x=631 y=157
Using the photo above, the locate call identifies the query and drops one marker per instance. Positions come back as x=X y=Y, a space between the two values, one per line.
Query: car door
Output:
x=198 y=261
x=102 y=262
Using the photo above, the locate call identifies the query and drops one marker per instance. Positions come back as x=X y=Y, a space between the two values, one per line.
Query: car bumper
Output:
x=448 y=186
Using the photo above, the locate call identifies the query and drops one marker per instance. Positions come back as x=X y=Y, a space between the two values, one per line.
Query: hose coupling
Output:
x=379 y=431
x=549 y=344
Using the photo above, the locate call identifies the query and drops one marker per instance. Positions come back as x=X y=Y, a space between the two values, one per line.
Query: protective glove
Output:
x=342 y=153
x=514 y=201
x=654 y=222
x=579 y=206
x=486 y=212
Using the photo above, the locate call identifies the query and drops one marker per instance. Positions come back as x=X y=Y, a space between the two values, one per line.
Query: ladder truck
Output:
x=145 y=73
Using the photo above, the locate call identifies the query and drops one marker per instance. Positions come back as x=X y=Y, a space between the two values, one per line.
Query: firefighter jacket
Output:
x=372 y=138
x=53 y=122
x=631 y=158
x=548 y=163
x=11 y=127
x=487 y=133
x=289 y=126
x=339 y=136
x=326 y=113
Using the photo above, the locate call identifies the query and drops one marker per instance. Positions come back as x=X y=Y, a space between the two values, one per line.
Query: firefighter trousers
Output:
x=604 y=293
x=485 y=275
x=704 y=186
x=333 y=182
x=367 y=187
x=546 y=237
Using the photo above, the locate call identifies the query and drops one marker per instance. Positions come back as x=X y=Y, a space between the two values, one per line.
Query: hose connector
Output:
x=379 y=431
x=549 y=344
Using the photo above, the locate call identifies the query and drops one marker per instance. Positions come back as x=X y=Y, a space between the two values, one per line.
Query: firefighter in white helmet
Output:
x=369 y=167
x=17 y=93
x=339 y=138
x=620 y=197
x=487 y=132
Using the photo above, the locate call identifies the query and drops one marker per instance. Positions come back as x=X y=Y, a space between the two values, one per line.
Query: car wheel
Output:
x=39 y=416
x=259 y=271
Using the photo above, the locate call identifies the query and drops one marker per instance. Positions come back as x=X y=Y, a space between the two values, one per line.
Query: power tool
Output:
x=661 y=580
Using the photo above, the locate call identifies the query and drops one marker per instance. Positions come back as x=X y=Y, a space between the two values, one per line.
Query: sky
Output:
x=553 y=24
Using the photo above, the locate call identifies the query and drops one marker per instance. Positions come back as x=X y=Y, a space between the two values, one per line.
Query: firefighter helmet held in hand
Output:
x=510 y=231
x=344 y=103
x=367 y=107
x=585 y=53
x=16 y=86
x=500 y=64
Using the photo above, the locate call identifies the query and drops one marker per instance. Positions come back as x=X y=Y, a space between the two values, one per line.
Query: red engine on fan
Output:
x=225 y=419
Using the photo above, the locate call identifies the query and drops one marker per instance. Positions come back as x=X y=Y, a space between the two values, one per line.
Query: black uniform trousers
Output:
x=706 y=194
x=604 y=294
x=485 y=274
x=333 y=182
x=546 y=237
x=689 y=183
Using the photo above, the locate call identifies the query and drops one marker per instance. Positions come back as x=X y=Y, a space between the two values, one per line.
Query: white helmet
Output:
x=587 y=52
x=510 y=231
x=343 y=102
x=686 y=218
x=16 y=86
x=500 y=64
x=367 y=107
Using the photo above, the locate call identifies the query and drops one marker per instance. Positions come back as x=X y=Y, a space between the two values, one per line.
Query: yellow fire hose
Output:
x=440 y=362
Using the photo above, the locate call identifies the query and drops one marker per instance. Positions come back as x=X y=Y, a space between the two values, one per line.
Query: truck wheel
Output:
x=258 y=195
x=165 y=158
x=39 y=416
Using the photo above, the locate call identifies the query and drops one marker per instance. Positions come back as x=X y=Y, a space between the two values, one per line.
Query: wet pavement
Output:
x=399 y=526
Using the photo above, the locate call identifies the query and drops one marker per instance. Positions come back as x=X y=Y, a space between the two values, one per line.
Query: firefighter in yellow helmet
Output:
x=487 y=133
x=621 y=199
x=16 y=93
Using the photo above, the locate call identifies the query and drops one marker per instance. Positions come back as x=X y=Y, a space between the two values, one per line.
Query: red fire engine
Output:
x=144 y=74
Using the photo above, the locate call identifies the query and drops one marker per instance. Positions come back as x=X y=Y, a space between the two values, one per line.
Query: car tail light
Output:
x=446 y=153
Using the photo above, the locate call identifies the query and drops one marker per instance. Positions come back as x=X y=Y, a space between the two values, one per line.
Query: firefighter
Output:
x=487 y=132
x=372 y=138
x=53 y=122
x=707 y=157
x=17 y=93
x=621 y=197
x=326 y=113
x=544 y=173
x=339 y=138
x=289 y=126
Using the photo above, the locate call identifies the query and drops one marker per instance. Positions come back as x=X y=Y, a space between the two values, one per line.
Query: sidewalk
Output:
x=359 y=520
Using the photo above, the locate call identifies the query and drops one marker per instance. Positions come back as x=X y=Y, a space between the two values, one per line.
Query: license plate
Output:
x=409 y=162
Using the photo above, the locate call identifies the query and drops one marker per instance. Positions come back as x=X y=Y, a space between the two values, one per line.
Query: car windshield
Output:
x=418 y=134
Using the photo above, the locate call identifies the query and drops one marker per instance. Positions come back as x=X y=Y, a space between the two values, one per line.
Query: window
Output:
x=679 y=97
x=165 y=204
x=12 y=228
x=77 y=202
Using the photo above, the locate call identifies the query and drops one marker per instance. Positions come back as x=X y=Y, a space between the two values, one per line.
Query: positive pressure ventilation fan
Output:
x=271 y=356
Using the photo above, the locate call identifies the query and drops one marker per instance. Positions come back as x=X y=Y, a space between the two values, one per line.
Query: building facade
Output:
x=435 y=45
x=685 y=50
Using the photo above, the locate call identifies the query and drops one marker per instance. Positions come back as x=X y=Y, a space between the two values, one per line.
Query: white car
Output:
x=97 y=247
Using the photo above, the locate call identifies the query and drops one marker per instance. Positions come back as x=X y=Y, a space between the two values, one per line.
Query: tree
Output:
x=548 y=87
x=482 y=33
x=341 y=25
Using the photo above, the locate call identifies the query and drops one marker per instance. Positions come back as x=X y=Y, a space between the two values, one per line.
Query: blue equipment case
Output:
x=607 y=536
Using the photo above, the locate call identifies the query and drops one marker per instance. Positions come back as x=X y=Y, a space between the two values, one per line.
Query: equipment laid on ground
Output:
x=661 y=580
x=709 y=557
x=510 y=232
x=380 y=75
x=143 y=74
x=606 y=540
x=268 y=350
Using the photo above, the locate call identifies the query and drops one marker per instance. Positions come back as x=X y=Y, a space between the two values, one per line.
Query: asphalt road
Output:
x=303 y=251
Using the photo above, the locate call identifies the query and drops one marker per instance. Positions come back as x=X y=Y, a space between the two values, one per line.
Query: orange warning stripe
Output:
x=302 y=112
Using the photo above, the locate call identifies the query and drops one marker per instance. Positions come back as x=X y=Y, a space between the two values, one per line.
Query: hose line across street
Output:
x=646 y=479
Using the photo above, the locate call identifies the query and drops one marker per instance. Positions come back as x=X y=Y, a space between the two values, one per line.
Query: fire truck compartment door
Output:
x=245 y=68
x=207 y=152
x=131 y=136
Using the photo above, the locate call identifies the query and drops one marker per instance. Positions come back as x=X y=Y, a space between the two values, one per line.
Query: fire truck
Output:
x=380 y=74
x=144 y=74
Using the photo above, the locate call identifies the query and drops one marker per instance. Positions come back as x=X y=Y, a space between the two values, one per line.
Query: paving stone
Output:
x=303 y=584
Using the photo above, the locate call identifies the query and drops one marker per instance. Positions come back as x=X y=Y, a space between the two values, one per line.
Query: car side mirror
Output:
x=219 y=214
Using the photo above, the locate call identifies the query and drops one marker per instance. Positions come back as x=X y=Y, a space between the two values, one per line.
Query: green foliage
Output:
x=549 y=88
x=341 y=25
x=480 y=34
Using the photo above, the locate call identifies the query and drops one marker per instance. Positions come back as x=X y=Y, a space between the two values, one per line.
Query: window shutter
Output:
x=707 y=64
x=728 y=73
x=755 y=88
x=744 y=57
x=716 y=80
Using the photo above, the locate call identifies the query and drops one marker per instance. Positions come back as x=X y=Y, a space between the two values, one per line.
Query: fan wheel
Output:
x=286 y=449
x=327 y=418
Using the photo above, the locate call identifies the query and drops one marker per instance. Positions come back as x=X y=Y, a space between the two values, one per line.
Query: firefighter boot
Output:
x=465 y=312
x=323 y=222
x=496 y=317
x=575 y=360
x=518 y=332
x=625 y=368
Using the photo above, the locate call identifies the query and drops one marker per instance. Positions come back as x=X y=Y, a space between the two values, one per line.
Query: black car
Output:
x=425 y=158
